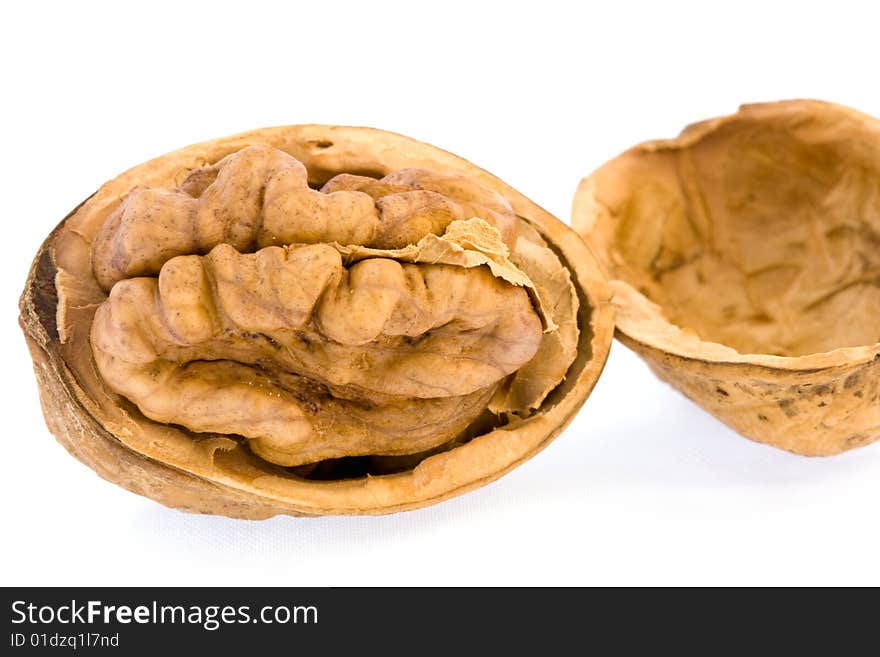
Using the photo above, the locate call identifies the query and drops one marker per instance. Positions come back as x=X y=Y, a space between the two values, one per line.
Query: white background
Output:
x=643 y=488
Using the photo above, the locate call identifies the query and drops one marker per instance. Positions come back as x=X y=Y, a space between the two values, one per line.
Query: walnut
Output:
x=747 y=268
x=311 y=320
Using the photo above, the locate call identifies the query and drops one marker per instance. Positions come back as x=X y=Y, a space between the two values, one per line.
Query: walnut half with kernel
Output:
x=311 y=320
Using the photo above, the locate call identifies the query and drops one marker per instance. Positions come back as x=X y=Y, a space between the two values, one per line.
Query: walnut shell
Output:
x=746 y=262
x=205 y=471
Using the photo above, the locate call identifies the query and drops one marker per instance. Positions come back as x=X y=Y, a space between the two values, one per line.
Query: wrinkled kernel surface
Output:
x=260 y=197
x=235 y=306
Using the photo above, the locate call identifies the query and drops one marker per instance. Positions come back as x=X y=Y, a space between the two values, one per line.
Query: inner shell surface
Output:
x=760 y=231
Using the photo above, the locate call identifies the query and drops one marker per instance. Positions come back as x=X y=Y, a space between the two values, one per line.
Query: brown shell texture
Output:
x=311 y=320
x=745 y=258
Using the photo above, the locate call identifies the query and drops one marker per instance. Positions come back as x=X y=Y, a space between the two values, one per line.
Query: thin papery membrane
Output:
x=465 y=243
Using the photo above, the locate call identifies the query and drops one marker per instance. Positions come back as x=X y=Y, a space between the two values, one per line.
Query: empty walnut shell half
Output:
x=746 y=259
x=311 y=320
